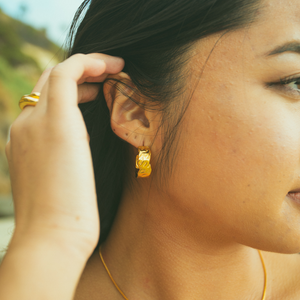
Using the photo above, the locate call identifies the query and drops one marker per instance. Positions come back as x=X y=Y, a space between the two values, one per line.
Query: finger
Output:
x=87 y=92
x=27 y=110
x=41 y=105
x=42 y=81
x=114 y=64
x=62 y=88
x=97 y=79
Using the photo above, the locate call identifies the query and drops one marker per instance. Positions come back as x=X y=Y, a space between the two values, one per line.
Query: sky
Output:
x=54 y=15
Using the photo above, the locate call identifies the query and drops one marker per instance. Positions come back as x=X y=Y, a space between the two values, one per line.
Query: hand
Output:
x=49 y=156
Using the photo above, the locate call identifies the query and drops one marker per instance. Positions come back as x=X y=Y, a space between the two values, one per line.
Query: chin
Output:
x=279 y=238
x=286 y=245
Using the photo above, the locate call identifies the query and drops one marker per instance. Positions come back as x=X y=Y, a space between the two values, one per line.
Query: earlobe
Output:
x=129 y=120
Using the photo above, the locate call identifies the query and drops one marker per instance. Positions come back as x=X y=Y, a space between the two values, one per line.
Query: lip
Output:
x=295 y=196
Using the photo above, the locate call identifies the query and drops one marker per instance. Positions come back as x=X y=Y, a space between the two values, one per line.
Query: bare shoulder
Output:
x=283 y=271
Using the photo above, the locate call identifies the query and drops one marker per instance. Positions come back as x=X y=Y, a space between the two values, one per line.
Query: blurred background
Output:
x=32 y=36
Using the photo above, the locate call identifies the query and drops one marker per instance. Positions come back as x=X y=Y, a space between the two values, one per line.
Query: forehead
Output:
x=246 y=49
x=277 y=22
x=280 y=11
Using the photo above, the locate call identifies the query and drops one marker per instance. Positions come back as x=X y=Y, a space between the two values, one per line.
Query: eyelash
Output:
x=294 y=93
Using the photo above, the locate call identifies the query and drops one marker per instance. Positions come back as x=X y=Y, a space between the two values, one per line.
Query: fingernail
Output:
x=102 y=62
x=118 y=58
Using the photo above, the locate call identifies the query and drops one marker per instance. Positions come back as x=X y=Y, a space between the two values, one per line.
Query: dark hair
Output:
x=154 y=38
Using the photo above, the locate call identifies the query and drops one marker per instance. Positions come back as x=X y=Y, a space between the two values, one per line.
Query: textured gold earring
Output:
x=142 y=164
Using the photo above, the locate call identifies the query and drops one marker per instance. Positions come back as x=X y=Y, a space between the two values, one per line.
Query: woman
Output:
x=212 y=89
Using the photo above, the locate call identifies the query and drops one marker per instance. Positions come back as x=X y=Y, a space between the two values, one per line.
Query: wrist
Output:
x=61 y=246
x=38 y=259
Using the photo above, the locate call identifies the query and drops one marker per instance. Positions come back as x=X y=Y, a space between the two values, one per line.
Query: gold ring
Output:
x=31 y=99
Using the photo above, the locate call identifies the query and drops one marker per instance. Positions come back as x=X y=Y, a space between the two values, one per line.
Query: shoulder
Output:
x=283 y=272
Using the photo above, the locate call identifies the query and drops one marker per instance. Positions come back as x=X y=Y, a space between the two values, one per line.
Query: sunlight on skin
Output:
x=238 y=159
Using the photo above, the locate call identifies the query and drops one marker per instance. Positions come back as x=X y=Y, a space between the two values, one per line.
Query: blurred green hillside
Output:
x=24 y=54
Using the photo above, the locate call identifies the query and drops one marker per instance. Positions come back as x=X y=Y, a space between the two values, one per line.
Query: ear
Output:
x=129 y=120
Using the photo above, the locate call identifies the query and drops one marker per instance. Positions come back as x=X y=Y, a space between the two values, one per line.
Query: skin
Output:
x=55 y=229
x=196 y=237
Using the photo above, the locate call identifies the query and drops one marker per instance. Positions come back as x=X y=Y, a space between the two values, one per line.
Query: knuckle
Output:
x=14 y=129
x=79 y=56
x=20 y=129
x=57 y=71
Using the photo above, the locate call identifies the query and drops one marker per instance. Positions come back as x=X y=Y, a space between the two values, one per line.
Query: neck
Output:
x=155 y=250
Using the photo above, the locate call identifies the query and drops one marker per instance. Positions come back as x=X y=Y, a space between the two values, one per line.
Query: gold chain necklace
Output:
x=262 y=261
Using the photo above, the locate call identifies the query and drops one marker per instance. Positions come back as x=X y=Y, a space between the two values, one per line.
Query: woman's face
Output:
x=240 y=145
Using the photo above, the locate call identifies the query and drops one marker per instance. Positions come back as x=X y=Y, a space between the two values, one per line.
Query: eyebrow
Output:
x=288 y=47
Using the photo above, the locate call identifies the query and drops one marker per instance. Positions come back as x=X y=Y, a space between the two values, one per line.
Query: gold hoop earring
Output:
x=142 y=164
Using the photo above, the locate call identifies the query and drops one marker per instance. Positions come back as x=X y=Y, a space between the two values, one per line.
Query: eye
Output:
x=288 y=86
x=295 y=85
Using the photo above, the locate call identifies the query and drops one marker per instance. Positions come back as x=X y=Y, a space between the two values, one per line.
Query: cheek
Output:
x=240 y=154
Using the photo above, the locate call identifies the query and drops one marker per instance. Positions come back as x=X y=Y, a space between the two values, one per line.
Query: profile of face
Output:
x=239 y=147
